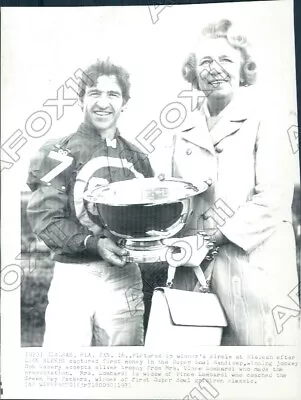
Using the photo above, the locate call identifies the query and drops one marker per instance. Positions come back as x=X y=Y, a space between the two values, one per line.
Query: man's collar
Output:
x=88 y=129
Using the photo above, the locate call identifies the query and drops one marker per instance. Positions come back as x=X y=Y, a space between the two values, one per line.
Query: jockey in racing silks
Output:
x=95 y=297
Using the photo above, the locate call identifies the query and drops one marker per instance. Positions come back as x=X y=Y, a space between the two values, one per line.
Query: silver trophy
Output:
x=140 y=213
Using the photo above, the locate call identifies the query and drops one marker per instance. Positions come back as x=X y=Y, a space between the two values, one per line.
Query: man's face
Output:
x=218 y=68
x=102 y=103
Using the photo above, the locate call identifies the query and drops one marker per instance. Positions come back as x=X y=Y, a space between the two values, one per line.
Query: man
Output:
x=95 y=297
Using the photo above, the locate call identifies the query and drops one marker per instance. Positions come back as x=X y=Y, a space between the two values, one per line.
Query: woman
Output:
x=245 y=151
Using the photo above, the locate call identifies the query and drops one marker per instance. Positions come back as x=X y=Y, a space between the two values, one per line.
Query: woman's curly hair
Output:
x=224 y=29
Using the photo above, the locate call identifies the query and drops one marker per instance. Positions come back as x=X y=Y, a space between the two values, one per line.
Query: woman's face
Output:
x=218 y=68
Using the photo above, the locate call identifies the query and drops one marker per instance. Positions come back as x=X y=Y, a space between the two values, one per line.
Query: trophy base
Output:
x=145 y=252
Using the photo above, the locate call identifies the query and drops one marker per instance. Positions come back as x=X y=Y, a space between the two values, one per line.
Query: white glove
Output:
x=188 y=251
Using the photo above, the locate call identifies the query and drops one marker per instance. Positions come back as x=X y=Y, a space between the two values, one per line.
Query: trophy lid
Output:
x=144 y=191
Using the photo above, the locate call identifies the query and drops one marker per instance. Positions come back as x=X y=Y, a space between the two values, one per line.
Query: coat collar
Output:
x=195 y=129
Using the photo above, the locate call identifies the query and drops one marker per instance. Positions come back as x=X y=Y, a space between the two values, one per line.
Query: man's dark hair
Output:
x=99 y=68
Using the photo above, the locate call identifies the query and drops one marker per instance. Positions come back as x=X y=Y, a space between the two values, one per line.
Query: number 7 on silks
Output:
x=64 y=162
x=53 y=168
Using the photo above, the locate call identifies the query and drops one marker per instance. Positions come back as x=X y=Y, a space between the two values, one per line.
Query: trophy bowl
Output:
x=142 y=212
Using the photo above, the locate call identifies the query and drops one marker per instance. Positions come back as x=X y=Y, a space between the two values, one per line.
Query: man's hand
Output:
x=111 y=253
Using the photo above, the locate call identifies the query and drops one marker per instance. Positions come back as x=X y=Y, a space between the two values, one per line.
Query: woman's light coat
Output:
x=248 y=156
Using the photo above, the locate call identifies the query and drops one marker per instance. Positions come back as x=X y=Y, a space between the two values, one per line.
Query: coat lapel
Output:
x=196 y=131
x=225 y=127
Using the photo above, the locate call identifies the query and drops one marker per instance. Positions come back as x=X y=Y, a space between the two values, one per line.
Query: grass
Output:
x=34 y=301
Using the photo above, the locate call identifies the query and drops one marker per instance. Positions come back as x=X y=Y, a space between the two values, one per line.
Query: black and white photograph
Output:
x=151 y=205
